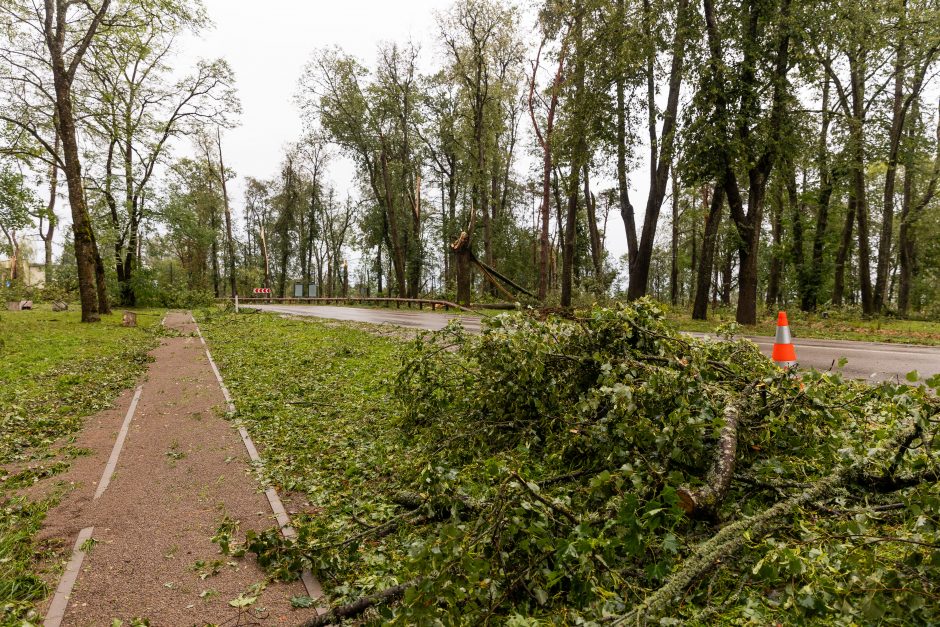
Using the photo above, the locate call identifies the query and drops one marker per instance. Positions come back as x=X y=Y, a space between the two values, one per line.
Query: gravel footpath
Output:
x=182 y=469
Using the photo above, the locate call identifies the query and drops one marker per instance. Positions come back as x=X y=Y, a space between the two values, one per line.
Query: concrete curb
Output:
x=61 y=599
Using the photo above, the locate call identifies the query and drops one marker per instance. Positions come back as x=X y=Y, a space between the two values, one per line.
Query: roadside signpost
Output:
x=262 y=290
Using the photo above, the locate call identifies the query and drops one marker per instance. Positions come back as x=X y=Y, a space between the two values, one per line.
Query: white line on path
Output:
x=314 y=590
x=61 y=599
x=118 y=445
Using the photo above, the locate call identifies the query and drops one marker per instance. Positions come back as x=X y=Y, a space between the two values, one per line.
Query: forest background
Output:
x=755 y=153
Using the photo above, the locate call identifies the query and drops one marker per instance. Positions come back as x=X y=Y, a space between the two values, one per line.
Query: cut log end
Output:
x=687 y=501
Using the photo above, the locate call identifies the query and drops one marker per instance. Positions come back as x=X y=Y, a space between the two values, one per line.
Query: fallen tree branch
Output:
x=734 y=536
x=706 y=500
x=721 y=545
x=359 y=606
x=555 y=507
x=413 y=500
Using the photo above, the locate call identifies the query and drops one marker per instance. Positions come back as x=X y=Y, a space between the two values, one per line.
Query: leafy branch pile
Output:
x=606 y=470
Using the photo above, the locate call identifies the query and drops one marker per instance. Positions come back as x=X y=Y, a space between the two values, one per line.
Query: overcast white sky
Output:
x=268 y=47
x=268 y=44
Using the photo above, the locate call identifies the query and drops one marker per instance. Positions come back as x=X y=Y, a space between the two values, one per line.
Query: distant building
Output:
x=31 y=274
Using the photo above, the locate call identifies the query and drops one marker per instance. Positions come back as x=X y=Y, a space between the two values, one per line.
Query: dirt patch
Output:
x=183 y=468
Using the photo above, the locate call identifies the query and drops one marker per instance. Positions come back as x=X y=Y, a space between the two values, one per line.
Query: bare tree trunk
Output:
x=706 y=259
x=81 y=222
x=578 y=159
x=776 y=261
x=214 y=223
x=568 y=246
x=796 y=249
x=842 y=254
x=811 y=295
x=661 y=151
x=674 y=246
x=463 y=255
x=264 y=255
x=397 y=253
x=63 y=73
x=545 y=140
x=597 y=252
x=727 y=267
x=909 y=216
x=47 y=234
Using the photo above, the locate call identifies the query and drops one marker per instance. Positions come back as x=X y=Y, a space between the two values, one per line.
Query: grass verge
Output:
x=316 y=396
x=54 y=371
x=837 y=326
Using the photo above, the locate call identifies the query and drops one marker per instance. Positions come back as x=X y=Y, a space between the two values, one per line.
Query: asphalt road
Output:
x=866 y=360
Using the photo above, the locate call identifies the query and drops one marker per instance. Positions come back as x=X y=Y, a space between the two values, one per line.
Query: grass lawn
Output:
x=837 y=327
x=54 y=371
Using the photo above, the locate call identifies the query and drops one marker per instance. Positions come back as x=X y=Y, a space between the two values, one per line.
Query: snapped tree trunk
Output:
x=705 y=500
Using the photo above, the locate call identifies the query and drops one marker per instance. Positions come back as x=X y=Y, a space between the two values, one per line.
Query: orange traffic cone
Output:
x=784 y=354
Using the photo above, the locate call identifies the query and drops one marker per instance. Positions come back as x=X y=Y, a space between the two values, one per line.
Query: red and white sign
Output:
x=262 y=290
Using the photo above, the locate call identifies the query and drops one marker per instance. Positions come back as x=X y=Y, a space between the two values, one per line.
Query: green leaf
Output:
x=912 y=376
x=241 y=601
x=302 y=601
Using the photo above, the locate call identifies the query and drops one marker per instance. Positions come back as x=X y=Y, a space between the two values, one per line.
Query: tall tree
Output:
x=45 y=50
x=661 y=144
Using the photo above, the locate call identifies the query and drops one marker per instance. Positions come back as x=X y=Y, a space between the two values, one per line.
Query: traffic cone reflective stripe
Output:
x=784 y=353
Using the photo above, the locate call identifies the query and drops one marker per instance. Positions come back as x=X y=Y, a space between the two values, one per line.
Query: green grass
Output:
x=316 y=396
x=838 y=326
x=54 y=371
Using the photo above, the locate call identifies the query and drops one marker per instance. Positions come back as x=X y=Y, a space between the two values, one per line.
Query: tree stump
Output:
x=26 y=304
x=60 y=305
x=130 y=319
